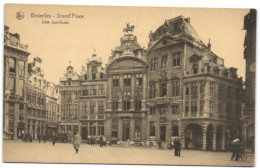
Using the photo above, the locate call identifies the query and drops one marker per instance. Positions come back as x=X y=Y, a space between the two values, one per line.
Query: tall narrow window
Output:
x=115 y=80
x=195 y=69
x=152 y=129
x=101 y=90
x=127 y=80
x=175 y=109
x=138 y=105
x=154 y=64
x=176 y=60
x=11 y=63
x=163 y=89
x=139 y=80
x=211 y=106
x=126 y=105
x=212 y=88
x=94 y=71
x=115 y=106
x=92 y=107
x=84 y=108
x=229 y=92
x=175 y=88
x=164 y=61
x=152 y=91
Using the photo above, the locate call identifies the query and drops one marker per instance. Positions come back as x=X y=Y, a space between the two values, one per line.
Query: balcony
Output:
x=17 y=45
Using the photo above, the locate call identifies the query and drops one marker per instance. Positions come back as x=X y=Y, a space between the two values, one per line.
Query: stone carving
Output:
x=164 y=75
x=128 y=28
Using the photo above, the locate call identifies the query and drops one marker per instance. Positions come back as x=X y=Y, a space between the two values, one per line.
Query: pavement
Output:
x=18 y=151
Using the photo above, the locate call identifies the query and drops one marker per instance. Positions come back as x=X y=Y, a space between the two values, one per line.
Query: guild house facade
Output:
x=126 y=112
x=15 y=71
x=192 y=95
x=83 y=100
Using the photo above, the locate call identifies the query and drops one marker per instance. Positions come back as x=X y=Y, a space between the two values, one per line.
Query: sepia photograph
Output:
x=129 y=85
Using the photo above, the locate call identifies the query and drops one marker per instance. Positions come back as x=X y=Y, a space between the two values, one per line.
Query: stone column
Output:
x=120 y=127
x=16 y=119
x=121 y=85
x=96 y=128
x=214 y=139
x=144 y=91
x=223 y=140
x=44 y=127
x=189 y=98
x=6 y=117
x=204 y=136
x=132 y=102
x=65 y=126
x=40 y=127
x=30 y=130
x=132 y=128
x=198 y=101
x=108 y=128
x=143 y=127
x=36 y=129
x=109 y=93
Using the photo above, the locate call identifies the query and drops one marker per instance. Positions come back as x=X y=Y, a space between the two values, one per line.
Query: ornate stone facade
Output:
x=126 y=112
x=192 y=95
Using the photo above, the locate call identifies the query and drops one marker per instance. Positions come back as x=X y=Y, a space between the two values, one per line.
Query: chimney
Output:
x=187 y=19
x=209 y=45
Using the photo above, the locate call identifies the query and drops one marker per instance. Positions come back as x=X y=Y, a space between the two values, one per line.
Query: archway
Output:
x=209 y=137
x=219 y=137
x=193 y=136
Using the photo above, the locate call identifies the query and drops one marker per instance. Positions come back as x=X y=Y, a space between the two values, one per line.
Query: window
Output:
x=216 y=70
x=187 y=90
x=11 y=62
x=152 y=110
x=127 y=80
x=164 y=61
x=163 y=89
x=225 y=73
x=101 y=90
x=212 y=88
x=21 y=106
x=229 y=92
x=194 y=90
x=100 y=107
x=137 y=128
x=138 y=94
x=162 y=109
x=93 y=90
x=127 y=94
x=202 y=87
x=101 y=128
x=101 y=75
x=92 y=129
x=201 y=106
x=220 y=108
x=114 y=127
x=220 y=91
x=21 y=67
x=115 y=80
x=126 y=105
x=85 y=91
x=84 y=108
x=195 y=69
x=139 y=79
x=85 y=77
x=211 y=106
x=175 y=109
x=75 y=110
x=115 y=106
x=175 y=88
x=94 y=71
x=69 y=81
x=186 y=108
x=92 y=107
x=152 y=91
x=152 y=129
x=138 y=105
x=194 y=107
x=154 y=64
x=175 y=131
x=176 y=60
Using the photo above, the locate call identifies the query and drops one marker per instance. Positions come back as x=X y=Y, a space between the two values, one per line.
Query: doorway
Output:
x=163 y=133
x=126 y=128
x=84 y=133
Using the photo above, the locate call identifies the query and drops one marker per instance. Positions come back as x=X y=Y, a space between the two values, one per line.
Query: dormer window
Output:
x=69 y=81
x=101 y=76
x=85 y=77
x=195 y=69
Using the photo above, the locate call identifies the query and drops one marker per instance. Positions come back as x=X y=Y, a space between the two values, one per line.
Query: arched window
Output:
x=11 y=62
x=195 y=69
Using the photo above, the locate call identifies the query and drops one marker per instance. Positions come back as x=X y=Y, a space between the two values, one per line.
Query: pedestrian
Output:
x=53 y=139
x=159 y=144
x=175 y=147
x=178 y=147
x=30 y=137
x=76 y=142
x=101 y=141
x=235 y=148
x=39 y=138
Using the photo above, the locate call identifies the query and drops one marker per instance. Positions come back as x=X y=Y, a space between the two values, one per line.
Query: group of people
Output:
x=27 y=137
x=177 y=146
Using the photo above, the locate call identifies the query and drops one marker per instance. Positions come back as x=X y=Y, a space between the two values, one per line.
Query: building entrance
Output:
x=126 y=128
x=163 y=133
x=84 y=133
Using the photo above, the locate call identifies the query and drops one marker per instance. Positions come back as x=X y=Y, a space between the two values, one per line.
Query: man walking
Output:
x=76 y=142
x=101 y=141
x=53 y=139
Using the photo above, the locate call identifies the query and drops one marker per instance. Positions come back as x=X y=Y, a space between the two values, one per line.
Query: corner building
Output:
x=126 y=112
x=192 y=95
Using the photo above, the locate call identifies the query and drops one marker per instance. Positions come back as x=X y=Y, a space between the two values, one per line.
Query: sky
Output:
x=102 y=27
